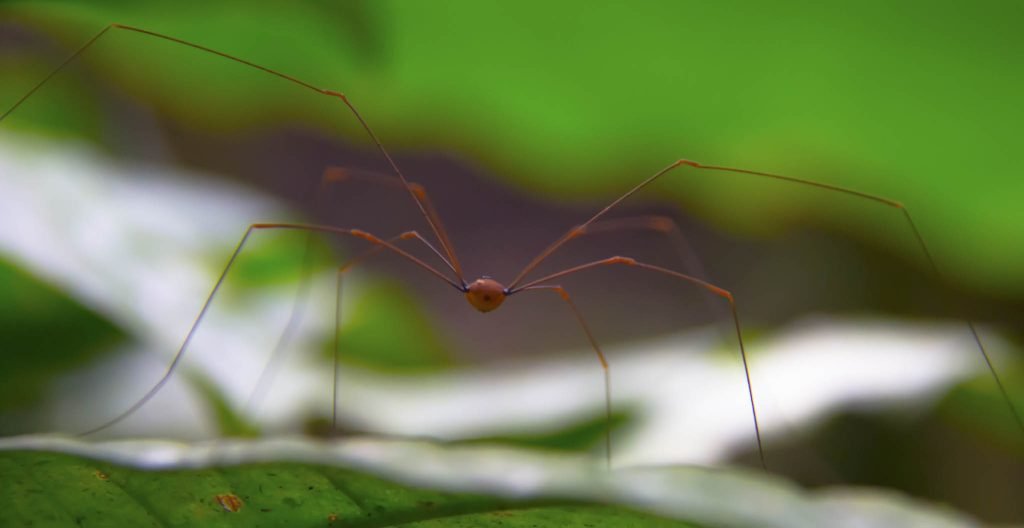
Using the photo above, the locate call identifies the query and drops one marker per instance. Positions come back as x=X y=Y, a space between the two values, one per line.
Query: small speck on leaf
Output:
x=230 y=502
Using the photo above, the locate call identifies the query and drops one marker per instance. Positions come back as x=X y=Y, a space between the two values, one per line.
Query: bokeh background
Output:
x=129 y=178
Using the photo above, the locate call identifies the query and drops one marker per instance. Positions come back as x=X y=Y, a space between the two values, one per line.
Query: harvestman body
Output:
x=486 y=294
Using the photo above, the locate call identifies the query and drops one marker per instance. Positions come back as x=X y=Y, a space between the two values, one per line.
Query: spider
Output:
x=486 y=294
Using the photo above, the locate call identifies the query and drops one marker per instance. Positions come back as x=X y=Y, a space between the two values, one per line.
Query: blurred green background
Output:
x=499 y=106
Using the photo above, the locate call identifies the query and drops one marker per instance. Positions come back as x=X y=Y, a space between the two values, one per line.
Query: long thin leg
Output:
x=336 y=363
x=220 y=281
x=658 y=223
x=851 y=192
x=684 y=162
x=342 y=270
x=441 y=234
x=665 y=225
x=268 y=371
x=669 y=227
x=332 y=175
x=576 y=231
x=335 y=174
x=693 y=280
x=373 y=239
x=600 y=356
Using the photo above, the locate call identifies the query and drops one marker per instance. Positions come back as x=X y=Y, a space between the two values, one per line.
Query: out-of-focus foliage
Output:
x=590 y=434
x=230 y=422
x=389 y=331
x=277 y=260
x=979 y=406
x=916 y=101
x=45 y=334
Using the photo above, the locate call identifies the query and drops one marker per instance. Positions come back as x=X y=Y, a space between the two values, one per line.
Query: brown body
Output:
x=485 y=294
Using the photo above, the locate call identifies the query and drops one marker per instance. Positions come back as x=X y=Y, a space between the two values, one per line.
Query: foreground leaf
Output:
x=53 y=481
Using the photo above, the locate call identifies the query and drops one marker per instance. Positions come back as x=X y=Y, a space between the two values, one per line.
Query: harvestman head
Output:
x=486 y=294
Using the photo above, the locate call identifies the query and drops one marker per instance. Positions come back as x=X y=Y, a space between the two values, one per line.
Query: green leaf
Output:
x=229 y=421
x=279 y=258
x=587 y=434
x=978 y=405
x=100 y=494
x=369 y=338
x=54 y=481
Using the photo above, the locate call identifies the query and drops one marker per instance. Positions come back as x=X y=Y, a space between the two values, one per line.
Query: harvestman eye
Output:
x=486 y=294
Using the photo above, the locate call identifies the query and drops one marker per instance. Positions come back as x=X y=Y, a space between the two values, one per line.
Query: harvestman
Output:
x=486 y=294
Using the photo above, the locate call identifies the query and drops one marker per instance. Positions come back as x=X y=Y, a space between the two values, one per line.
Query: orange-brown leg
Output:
x=438 y=230
x=269 y=369
x=725 y=294
x=356 y=233
x=342 y=270
x=572 y=233
x=336 y=175
x=333 y=175
x=665 y=225
x=600 y=356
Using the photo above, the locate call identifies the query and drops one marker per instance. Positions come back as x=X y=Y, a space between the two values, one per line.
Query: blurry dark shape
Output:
x=43 y=334
x=360 y=23
x=925 y=456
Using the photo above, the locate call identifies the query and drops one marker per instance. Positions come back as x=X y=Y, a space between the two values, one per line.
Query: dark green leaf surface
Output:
x=51 y=481
x=49 y=489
